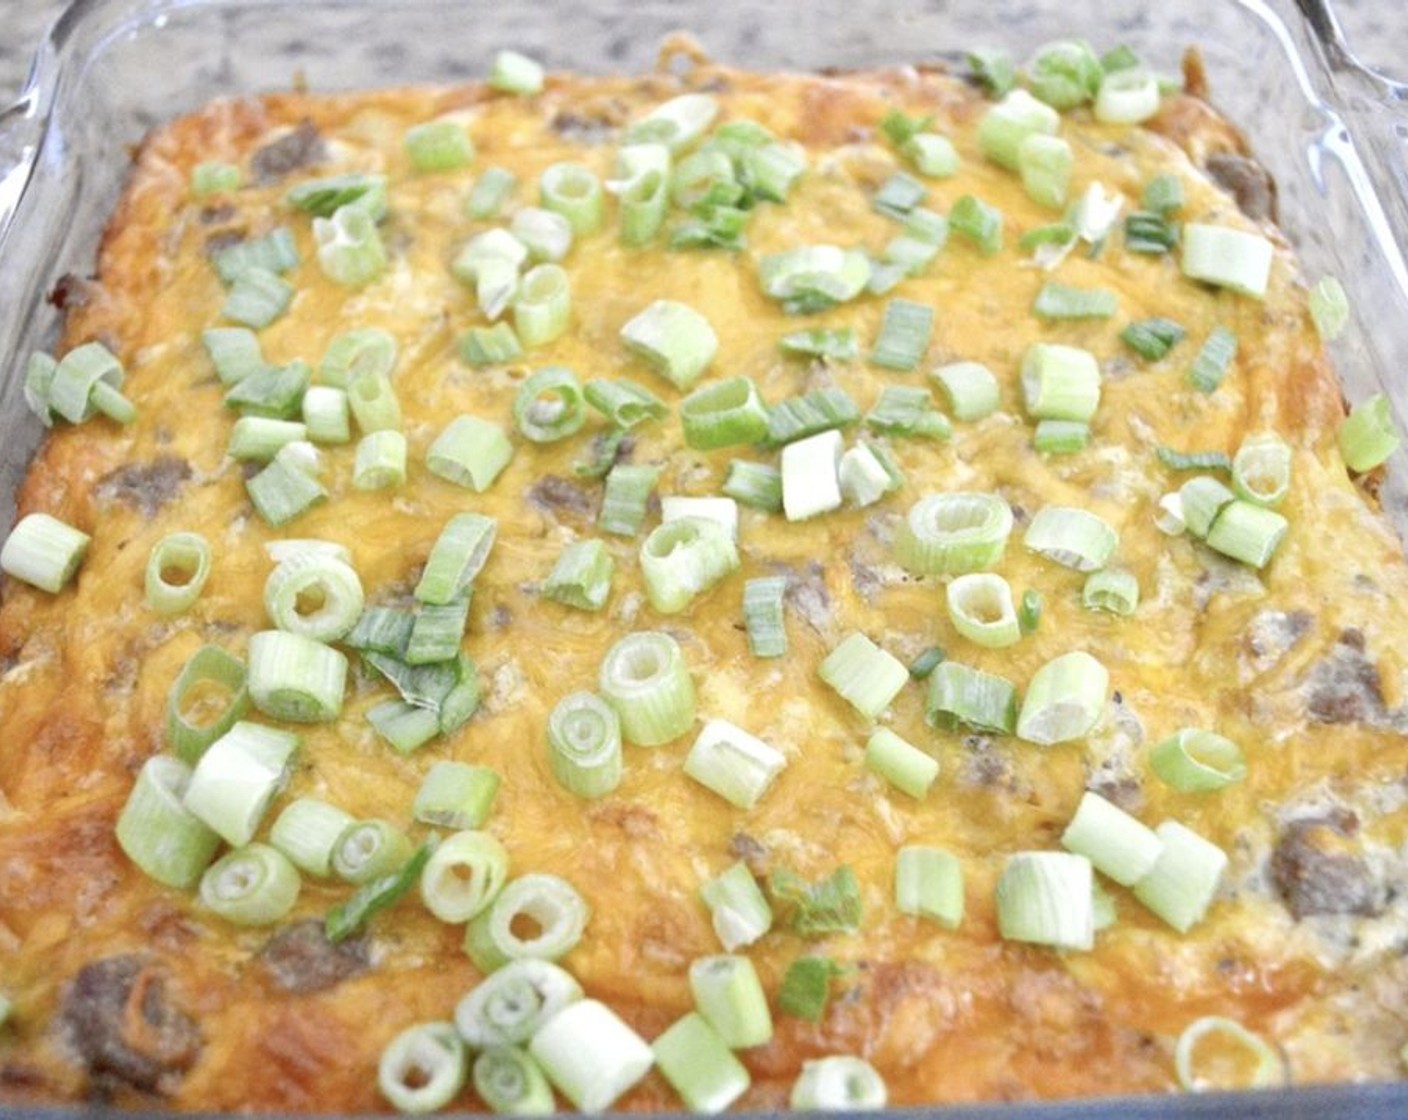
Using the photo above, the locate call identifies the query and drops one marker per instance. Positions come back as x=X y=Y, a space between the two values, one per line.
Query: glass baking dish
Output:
x=1331 y=132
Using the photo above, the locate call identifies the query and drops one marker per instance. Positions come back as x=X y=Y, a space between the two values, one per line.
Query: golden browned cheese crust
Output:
x=1302 y=664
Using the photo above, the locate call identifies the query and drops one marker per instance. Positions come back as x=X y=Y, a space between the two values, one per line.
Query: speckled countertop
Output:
x=1377 y=28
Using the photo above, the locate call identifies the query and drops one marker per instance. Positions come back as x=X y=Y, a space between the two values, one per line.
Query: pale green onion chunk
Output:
x=584 y=745
x=722 y=511
x=352 y=354
x=835 y=344
x=1192 y=760
x=929 y=884
x=489 y=346
x=237 y=777
x=730 y=997
x=737 y=907
x=325 y=415
x=436 y=631
x=1060 y=437
x=458 y=555
x=808 y=414
x=645 y=679
x=490 y=192
x=948 y=534
x=495 y=286
x=1214 y=359
x=350 y=251
x=932 y=155
x=1261 y=469
x=739 y=767
x=1127 y=97
x=643 y=206
x=234 y=352
x=212 y=177
x=1152 y=339
x=380 y=461
x=319 y=597
x=307 y=832
x=723 y=414
x=1005 y=125
x=591 y=1055
x=275 y=253
x=1073 y=538
x=1367 y=436
x=294 y=678
x=900 y=763
x=905 y=330
x=695 y=1060
x=177 y=569
x=546 y=905
x=463 y=876
x=511 y=1083
x=275 y=392
x=1046 y=898
x=1064 y=700
x=423 y=1068
x=158 y=833
x=811 y=483
x=406 y=727
x=289 y=485
x=1247 y=532
x=1056 y=301
x=1229 y=258
x=961 y=695
x=757 y=485
x=865 y=675
x=581 y=577
x=546 y=234
x=374 y=403
x=923 y=666
x=1184 y=880
x=1045 y=164
x=1217 y=1054
x=863 y=475
x=970 y=389
x=367 y=850
x=813 y=278
x=898 y=195
x=86 y=381
x=1111 y=589
x=980 y=608
x=839 y=1083
x=763 y=616
x=543 y=306
x=1329 y=308
x=1064 y=73
x=208 y=696
x=549 y=405
x=979 y=222
x=1169 y=519
x=255 y=885
x=470 y=452
x=257 y=298
x=624 y=403
x=677 y=123
x=487 y=250
x=516 y=73
x=324 y=197
x=626 y=498
x=1203 y=500
x=574 y=191
x=1060 y=382
x=682 y=559
x=1116 y=843
x=456 y=795
x=509 y=1006
x=1029 y=613
x=439 y=145
x=676 y=340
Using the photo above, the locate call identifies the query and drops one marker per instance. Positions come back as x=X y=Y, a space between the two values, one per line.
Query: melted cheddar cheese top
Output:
x=1301 y=664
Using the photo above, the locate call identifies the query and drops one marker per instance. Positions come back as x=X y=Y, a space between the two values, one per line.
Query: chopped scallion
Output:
x=821 y=410
x=730 y=997
x=644 y=677
x=1074 y=538
x=980 y=608
x=929 y=884
x=1114 y=842
x=574 y=191
x=440 y=145
x=307 y=832
x=1045 y=163
x=737 y=907
x=317 y=596
x=456 y=795
x=838 y=1083
x=1060 y=437
x=537 y=916
x=970 y=388
x=754 y=484
x=236 y=779
x=581 y=577
x=158 y=833
x=1236 y=1057
x=543 y=306
x=696 y=1061
x=1111 y=589
x=1045 y=898
x=509 y=1005
x=490 y=193
x=423 y=1068
x=516 y=73
x=1057 y=301
x=739 y=767
x=864 y=675
x=949 y=534
x=346 y=918
x=1229 y=258
x=811 y=483
x=900 y=763
x=1181 y=885
x=255 y=885
x=806 y=987
x=350 y=251
x=587 y=1051
x=1064 y=73
x=724 y=413
x=1261 y=470
x=295 y=678
x=1060 y=382
x=177 y=569
x=463 y=876
x=1367 y=436
x=584 y=745
x=1064 y=699
x=1210 y=367
x=207 y=698
x=961 y=695
x=1152 y=339
x=626 y=498
x=763 y=617
x=380 y=462
x=510 y=1082
x=676 y=340
x=470 y=452
x=1247 y=532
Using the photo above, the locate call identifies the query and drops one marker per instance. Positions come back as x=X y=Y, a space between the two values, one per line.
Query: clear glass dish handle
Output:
x=20 y=132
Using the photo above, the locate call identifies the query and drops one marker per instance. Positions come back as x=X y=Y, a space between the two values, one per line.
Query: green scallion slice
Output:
x=757 y=485
x=325 y=197
x=730 y=997
x=275 y=253
x=470 y=452
x=274 y=392
x=236 y=779
x=866 y=676
x=674 y=339
x=763 y=616
x=257 y=298
x=1247 y=532
x=294 y=678
x=456 y=558
x=581 y=578
x=317 y=596
x=307 y=832
x=510 y=1005
x=1229 y=258
x=832 y=905
x=933 y=156
x=993 y=70
x=1184 y=879
x=821 y=410
x=1329 y=308
x=624 y=403
x=979 y=222
x=574 y=191
x=350 y=252
x=1216 y=1053
x=1203 y=500
x=806 y=987
x=721 y=511
x=900 y=763
x=516 y=73
x=898 y=195
x=645 y=679
x=510 y=1082
x=348 y=917
x=739 y=767
x=423 y=1068
x=405 y=726
x=156 y=830
x=1147 y=232
x=961 y=695
x=1060 y=437
x=1114 y=842
x=811 y=482
x=369 y=850
x=207 y=698
x=838 y=1083
x=86 y=381
x=1193 y=460
x=456 y=795
x=543 y=306
x=439 y=145
x=255 y=885
x=584 y=745
x=1045 y=898
x=353 y=354
x=969 y=388
x=813 y=278
x=490 y=250
x=1152 y=339
x=1127 y=96
x=490 y=346
x=287 y=487
x=1029 y=613
x=929 y=884
x=1193 y=760
x=1060 y=382
x=1367 y=436
x=1065 y=73
x=490 y=193
x=1111 y=589
x=1045 y=164
x=981 y=610
x=904 y=335
x=463 y=876
x=1073 y=538
x=380 y=462
x=923 y=666
x=1057 y=301
x=234 y=352
x=737 y=907
x=625 y=500
x=723 y=414
x=836 y=344
x=863 y=476
x=587 y=1051
x=213 y=177
x=1064 y=699
x=1261 y=470
x=1214 y=360
x=177 y=569
x=950 y=534
x=677 y=123
x=1005 y=125
x=538 y=916
x=326 y=416
x=546 y=234
x=694 y=1058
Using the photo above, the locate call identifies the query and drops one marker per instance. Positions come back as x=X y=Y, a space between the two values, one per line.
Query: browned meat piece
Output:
x=560 y=496
x=1248 y=182
x=807 y=595
x=301 y=148
x=1318 y=870
x=300 y=958
x=1273 y=634
x=145 y=486
x=1345 y=687
x=125 y=1030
